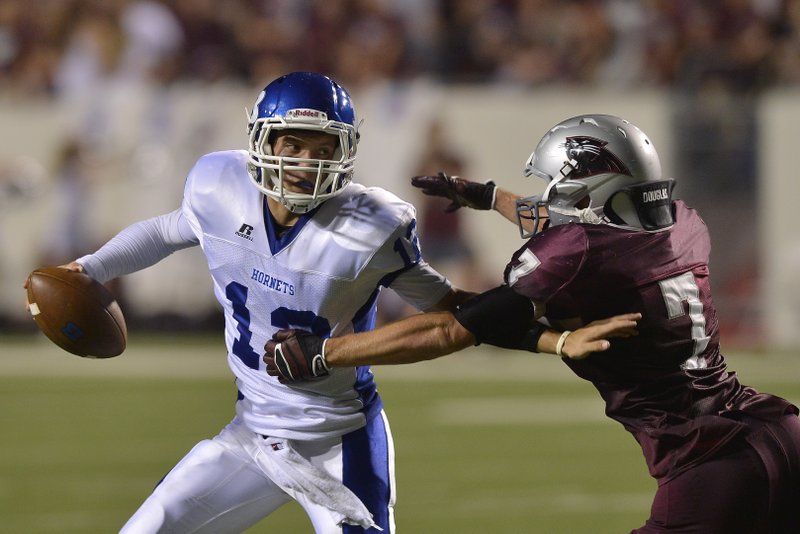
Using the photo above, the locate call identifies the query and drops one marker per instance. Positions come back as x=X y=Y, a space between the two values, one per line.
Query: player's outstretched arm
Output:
x=465 y=193
x=293 y=355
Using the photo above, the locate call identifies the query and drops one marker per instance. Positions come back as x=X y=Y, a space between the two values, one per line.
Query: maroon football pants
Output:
x=752 y=486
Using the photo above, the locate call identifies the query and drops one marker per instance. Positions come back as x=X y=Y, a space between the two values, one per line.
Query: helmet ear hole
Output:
x=620 y=209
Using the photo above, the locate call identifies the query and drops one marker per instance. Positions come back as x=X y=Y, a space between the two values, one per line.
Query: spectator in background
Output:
x=30 y=35
x=446 y=246
x=787 y=52
x=93 y=50
x=153 y=38
x=70 y=234
x=441 y=226
x=21 y=179
x=374 y=46
x=211 y=52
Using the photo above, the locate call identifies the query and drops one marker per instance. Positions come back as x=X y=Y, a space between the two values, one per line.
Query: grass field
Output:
x=485 y=443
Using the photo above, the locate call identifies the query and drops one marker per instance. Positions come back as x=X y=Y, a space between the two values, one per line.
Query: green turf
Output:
x=79 y=453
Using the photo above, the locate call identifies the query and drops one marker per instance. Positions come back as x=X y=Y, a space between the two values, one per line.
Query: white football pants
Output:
x=219 y=486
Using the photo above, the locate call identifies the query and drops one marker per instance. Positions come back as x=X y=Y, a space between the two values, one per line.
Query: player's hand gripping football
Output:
x=295 y=355
x=461 y=192
x=72 y=266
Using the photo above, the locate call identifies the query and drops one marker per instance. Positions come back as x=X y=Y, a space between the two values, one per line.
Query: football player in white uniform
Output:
x=290 y=243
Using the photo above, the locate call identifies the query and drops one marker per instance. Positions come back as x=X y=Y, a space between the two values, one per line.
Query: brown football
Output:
x=76 y=312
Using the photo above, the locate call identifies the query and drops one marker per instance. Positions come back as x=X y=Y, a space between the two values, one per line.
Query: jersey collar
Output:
x=276 y=242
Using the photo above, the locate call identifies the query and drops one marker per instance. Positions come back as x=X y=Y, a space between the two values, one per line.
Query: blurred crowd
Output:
x=58 y=46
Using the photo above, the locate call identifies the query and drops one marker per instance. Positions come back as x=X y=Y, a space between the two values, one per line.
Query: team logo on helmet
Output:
x=592 y=157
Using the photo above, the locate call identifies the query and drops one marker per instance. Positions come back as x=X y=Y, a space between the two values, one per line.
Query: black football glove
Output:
x=295 y=355
x=460 y=192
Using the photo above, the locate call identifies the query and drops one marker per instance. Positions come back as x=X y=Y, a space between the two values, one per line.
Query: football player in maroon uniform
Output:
x=605 y=237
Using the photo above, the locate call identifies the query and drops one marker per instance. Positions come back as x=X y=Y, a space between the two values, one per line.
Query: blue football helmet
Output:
x=599 y=169
x=302 y=101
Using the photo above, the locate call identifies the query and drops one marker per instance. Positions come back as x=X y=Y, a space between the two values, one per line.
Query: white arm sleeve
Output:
x=140 y=245
x=422 y=286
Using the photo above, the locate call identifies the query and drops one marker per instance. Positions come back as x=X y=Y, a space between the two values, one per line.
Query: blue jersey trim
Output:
x=365 y=318
x=363 y=321
x=276 y=244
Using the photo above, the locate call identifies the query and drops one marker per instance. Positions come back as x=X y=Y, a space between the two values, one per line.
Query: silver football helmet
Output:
x=599 y=169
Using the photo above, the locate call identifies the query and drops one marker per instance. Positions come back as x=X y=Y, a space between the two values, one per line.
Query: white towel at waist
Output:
x=297 y=476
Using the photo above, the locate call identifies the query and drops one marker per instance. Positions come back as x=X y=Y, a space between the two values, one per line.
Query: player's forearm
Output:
x=137 y=247
x=548 y=341
x=417 y=338
x=505 y=204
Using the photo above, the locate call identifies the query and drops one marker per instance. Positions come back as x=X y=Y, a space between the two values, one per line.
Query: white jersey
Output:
x=323 y=275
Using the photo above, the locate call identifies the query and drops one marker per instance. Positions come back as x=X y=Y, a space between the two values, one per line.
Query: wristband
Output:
x=561 y=341
x=323 y=359
x=494 y=194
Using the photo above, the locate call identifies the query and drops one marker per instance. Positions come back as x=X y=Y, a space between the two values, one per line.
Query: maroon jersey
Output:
x=669 y=386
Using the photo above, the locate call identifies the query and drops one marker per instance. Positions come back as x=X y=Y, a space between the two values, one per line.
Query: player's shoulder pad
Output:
x=561 y=248
x=211 y=169
x=563 y=237
x=368 y=210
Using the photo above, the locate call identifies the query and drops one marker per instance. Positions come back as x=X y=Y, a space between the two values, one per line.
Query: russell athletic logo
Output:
x=245 y=232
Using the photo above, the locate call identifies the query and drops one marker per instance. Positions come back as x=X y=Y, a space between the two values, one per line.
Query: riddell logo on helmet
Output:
x=303 y=113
